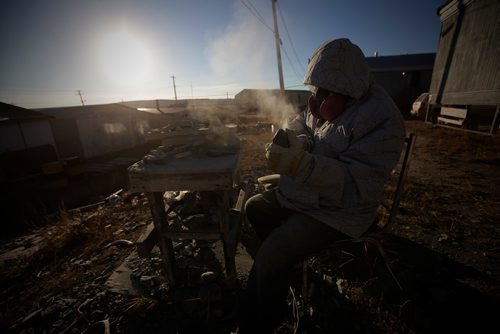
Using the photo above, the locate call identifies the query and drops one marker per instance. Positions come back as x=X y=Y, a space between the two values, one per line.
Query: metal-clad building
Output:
x=22 y=129
x=97 y=130
x=467 y=67
x=26 y=142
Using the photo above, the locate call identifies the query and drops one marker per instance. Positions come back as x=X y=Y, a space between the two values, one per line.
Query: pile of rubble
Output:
x=77 y=296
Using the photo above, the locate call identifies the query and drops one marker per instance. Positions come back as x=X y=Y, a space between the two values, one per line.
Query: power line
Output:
x=255 y=9
x=35 y=90
x=256 y=13
x=290 y=39
x=291 y=64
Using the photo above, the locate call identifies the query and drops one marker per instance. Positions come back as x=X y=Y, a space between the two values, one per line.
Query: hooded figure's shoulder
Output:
x=377 y=110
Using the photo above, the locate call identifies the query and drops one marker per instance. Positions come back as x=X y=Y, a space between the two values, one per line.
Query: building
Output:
x=208 y=111
x=21 y=129
x=465 y=87
x=26 y=141
x=97 y=130
x=404 y=77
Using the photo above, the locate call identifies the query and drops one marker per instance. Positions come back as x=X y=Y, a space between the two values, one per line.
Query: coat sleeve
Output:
x=299 y=123
x=358 y=173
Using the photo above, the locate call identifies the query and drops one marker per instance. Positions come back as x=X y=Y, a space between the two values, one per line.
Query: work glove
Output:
x=287 y=160
x=293 y=139
x=299 y=140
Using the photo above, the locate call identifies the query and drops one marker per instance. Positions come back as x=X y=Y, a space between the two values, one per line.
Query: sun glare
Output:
x=123 y=57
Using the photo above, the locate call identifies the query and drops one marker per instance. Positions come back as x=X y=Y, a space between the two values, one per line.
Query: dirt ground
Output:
x=444 y=250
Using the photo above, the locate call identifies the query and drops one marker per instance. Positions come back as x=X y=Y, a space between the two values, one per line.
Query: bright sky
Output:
x=114 y=50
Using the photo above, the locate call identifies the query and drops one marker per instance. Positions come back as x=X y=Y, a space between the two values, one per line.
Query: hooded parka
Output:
x=353 y=154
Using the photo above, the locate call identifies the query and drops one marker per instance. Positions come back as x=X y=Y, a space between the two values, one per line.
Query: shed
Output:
x=465 y=86
x=26 y=141
x=22 y=128
x=203 y=110
x=96 y=130
x=404 y=77
x=466 y=70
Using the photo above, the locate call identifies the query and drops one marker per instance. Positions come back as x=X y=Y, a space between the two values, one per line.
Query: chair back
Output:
x=403 y=172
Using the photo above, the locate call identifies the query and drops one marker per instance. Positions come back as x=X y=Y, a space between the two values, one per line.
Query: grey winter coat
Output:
x=354 y=154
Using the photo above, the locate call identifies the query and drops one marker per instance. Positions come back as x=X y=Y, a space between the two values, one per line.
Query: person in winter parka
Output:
x=339 y=154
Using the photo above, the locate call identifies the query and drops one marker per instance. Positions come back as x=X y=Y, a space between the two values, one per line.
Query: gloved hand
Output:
x=287 y=160
x=299 y=140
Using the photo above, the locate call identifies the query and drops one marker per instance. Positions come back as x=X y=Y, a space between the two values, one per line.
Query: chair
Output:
x=382 y=224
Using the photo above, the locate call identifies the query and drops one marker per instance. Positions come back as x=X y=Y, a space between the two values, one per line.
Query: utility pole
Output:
x=79 y=93
x=277 y=40
x=175 y=91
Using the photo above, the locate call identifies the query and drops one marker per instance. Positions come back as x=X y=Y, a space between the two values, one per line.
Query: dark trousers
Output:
x=288 y=238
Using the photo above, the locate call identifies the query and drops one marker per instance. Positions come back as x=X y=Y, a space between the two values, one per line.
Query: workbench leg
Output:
x=230 y=263
x=229 y=245
x=157 y=207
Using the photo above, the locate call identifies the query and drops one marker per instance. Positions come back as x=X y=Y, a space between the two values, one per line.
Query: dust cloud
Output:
x=244 y=53
x=240 y=52
x=274 y=104
x=214 y=115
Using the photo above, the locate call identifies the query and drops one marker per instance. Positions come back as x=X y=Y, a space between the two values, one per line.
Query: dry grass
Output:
x=452 y=190
x=71 y=254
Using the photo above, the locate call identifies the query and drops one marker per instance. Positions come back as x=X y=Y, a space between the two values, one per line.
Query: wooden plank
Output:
x=450 y=120
x=453 y=112
x=193 y=165
x=229 y=245
x=484 y=133
x=204 y=182
x=147 y=240
x=449 y=115
x=197 y=174
x=157 y=207
x=240 y=202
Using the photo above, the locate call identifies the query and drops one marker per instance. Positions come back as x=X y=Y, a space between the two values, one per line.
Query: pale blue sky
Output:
x=115 y=50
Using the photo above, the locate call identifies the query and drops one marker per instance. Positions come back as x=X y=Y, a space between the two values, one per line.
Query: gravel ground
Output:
x=445 y=251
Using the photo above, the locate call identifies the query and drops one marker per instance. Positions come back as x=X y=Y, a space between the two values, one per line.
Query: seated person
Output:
x=337 y=156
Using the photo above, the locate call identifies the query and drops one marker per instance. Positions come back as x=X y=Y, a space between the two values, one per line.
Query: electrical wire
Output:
x=289 y=38
x=255 y=9
x=291 y=64
x=256 y=14
x=34 y=90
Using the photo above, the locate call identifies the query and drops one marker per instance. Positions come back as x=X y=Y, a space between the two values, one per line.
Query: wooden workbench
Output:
x=196 y=172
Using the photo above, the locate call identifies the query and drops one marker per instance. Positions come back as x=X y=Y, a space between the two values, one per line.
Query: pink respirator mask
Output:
x=331 y=107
